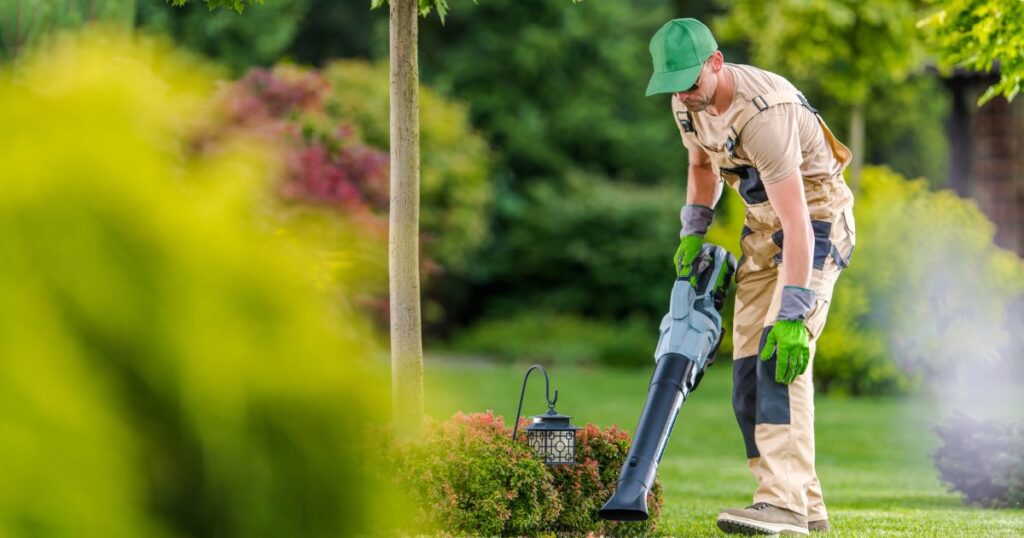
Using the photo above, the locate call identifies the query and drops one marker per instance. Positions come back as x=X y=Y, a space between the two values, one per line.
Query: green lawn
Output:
x=873 y=454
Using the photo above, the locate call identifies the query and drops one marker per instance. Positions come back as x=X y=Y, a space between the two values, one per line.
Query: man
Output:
x=753 y=130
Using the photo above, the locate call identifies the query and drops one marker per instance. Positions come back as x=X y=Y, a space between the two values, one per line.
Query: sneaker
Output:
x=762 y=518
x=820 y=525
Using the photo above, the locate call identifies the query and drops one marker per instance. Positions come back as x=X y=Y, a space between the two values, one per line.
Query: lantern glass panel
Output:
x=563 y=447
x=555 y=446
x=536 y=440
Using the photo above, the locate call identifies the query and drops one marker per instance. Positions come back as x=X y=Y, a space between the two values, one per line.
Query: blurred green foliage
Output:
x=905 y=127
x=25 y=23
x=584 y=117
x=849 y=49
x=260 y=36
x=979 y=35
x=847 y=56
x=237 y=5
x=168 y=366
x=558 y=86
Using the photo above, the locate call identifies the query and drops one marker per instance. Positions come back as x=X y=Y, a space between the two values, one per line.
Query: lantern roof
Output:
x=551 y=421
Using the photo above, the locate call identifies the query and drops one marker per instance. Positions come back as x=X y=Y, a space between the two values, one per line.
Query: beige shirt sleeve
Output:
x=771 y=140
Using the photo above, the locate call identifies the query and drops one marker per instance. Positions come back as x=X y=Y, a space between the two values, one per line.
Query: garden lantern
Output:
x=551 y=435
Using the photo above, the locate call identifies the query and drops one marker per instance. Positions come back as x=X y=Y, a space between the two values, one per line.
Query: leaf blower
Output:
x=690 y=335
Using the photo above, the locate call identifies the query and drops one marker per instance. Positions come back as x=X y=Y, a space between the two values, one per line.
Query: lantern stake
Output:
x=547 y=395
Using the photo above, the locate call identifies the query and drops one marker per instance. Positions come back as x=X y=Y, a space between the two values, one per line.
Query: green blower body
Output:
x=690 y=335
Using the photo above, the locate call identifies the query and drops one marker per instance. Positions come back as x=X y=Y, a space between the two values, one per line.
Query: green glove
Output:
x=686 y=254
x=695 y=219
x=790 y=336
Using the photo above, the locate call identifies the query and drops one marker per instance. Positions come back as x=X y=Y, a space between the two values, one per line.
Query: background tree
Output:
x=849 y=50
x=981 y=35
x=403 y=233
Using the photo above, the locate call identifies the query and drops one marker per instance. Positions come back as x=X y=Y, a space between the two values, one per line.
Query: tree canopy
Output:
x=981 y=35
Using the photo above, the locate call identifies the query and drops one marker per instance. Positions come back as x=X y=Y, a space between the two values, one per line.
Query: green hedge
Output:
x=592 y=248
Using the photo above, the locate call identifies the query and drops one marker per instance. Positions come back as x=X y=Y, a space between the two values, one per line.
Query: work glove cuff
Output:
x=696 y=219
x=796 y=303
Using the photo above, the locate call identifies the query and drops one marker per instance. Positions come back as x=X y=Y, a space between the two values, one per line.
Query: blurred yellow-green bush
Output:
x=927 y=290
x=168 y=367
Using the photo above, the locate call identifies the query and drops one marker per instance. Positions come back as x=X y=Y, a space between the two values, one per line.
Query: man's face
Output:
x=699 y=96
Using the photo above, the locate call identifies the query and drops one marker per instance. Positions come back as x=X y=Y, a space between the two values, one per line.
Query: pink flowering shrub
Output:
x=467 y=476
x=326 y=162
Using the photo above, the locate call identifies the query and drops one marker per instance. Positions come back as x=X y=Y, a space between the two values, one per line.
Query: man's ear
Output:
x=717 y=59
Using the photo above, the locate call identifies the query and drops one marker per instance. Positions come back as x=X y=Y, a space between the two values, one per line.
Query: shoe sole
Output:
x=750 y=527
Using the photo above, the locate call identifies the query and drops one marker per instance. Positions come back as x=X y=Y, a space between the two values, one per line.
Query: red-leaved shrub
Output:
x=467 y=476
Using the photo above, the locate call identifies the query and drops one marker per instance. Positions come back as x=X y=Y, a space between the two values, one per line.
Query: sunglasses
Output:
x=696 y=83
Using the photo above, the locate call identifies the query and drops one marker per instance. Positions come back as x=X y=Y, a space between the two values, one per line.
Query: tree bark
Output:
x=403 y=235
x=856 y=144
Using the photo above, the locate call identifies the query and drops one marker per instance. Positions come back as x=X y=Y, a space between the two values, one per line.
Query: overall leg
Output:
x=754 y=286
x=784 y=430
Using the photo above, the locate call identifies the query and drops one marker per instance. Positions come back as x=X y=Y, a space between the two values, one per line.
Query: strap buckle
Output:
x=760 y=103
x=686 y=122
x=730 y=142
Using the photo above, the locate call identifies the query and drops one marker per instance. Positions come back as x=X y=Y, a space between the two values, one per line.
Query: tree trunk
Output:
x=856 y=144
x=406 y=341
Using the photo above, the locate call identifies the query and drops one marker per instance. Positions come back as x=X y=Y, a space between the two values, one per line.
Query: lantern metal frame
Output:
x=551 y=435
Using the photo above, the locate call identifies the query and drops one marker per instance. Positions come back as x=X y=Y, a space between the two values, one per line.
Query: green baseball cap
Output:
x=679 y=49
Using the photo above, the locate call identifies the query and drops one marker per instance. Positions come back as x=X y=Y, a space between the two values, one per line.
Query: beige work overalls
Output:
x=777 y=421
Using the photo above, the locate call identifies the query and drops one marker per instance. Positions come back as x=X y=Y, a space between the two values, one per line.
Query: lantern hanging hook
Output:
x=547 y=396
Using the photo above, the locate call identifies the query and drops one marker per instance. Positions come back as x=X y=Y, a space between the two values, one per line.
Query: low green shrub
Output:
x=467 y=476
x=983 y=460
x=586 y=486
x=561 y=338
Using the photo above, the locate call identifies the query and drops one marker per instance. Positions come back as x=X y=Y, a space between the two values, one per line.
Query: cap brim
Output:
x=673 y=81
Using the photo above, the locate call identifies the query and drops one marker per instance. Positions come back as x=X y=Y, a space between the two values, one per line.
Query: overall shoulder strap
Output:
x=685 y=120
x=757 y=105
